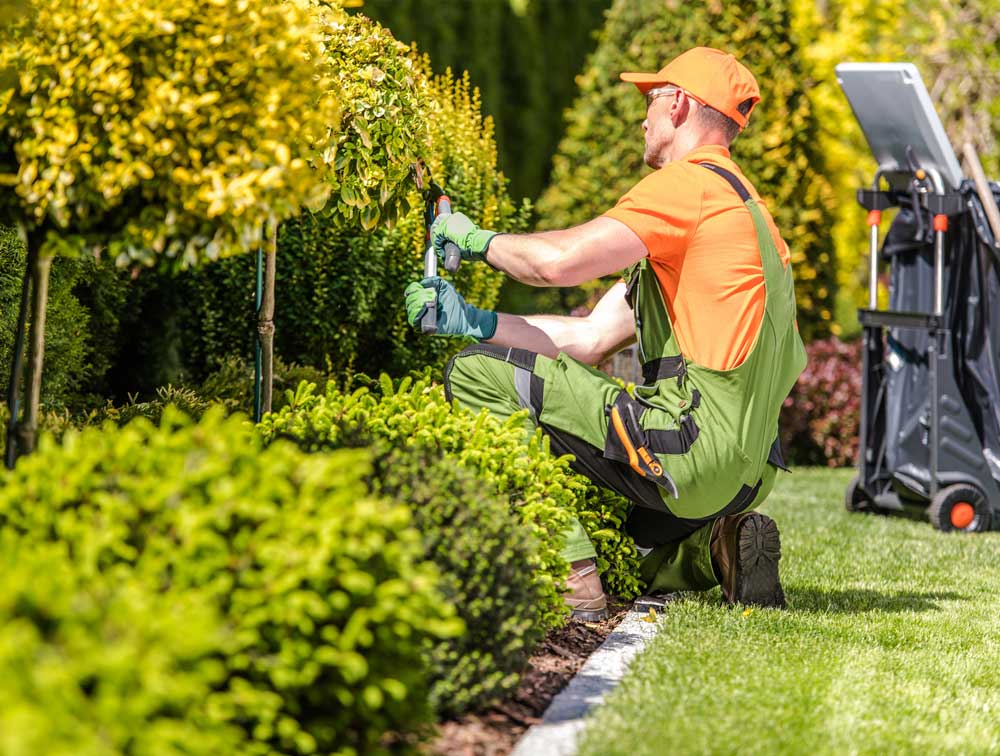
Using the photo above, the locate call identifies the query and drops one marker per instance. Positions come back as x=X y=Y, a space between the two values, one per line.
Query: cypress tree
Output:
x=522 y=56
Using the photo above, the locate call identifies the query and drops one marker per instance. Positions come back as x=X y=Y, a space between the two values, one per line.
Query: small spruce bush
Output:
x=540 y=487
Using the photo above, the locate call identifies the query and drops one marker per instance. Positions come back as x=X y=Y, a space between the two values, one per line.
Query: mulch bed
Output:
x=495 y=732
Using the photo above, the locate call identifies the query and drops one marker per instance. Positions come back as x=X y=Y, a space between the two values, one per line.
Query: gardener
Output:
x=707 y=295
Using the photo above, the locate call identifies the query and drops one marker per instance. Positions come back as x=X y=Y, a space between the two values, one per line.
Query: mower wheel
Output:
x=961 y=508
x=855 y=498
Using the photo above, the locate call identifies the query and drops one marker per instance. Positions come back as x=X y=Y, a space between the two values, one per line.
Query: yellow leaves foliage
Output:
x=171 y=128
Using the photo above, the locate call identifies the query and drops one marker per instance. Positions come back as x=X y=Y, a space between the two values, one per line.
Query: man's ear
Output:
x=680 y=108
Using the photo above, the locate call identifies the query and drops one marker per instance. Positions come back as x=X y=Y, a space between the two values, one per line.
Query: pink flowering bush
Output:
x=819 y=420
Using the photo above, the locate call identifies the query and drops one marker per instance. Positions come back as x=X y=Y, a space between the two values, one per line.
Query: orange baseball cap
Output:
x=712 y=77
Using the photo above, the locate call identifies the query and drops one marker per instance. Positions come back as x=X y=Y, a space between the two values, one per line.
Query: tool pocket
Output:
x=628 y=442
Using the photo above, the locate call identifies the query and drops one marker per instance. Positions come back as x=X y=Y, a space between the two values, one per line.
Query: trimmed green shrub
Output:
x=600 y=157
x=329 y=605
x=484 y=554
x=540 y=487
x=105 y=665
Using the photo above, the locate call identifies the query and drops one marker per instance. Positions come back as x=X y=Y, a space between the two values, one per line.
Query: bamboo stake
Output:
x=265 y=321
x=984 y=191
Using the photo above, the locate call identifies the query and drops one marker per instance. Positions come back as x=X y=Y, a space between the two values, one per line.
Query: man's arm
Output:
x=569 y=257
x=590 y=339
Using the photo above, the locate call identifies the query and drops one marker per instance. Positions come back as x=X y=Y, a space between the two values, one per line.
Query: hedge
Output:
x=600 y=156
x=339 y=283
x=86 y=299
x=66 y=328
x=540 y=488
x=105 y=665
x=328 y=604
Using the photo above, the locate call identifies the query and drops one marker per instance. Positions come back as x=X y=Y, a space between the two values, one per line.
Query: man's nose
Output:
x=645 y=124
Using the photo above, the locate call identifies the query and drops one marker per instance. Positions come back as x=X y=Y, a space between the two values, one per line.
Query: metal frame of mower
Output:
x=958 y=492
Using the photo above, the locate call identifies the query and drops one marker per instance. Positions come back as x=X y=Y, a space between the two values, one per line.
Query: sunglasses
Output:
x=652 y=94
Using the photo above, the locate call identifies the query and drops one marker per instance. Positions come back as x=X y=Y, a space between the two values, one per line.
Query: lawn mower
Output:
x=929 y=441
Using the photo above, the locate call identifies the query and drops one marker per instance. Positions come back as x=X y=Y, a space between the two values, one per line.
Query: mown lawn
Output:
x=891 y=644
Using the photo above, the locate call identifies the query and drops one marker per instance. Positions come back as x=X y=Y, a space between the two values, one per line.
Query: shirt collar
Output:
x=706 y=152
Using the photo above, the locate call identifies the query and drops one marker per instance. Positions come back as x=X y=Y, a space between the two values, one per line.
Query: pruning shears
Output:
x=436 y=203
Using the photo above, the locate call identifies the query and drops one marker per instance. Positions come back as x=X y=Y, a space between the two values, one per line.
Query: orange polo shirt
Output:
x=703 y=248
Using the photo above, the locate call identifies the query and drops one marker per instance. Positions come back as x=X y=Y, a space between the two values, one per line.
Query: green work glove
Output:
x=472 y=241
x=454 y=316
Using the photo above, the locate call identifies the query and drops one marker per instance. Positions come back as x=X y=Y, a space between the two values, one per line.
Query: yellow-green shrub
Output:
x=955 y=47
x=339 y=286
x=328 y=603
x=106 y=664
x=384 y=127
x=162 y=129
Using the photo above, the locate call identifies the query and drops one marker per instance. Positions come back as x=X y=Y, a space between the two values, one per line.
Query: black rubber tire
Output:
x=855 y=498
x=940 y=509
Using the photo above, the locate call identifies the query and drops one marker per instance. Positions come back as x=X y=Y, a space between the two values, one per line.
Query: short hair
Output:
x=711 y=119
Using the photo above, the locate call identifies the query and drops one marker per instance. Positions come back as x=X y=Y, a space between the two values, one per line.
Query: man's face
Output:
x=658 y=126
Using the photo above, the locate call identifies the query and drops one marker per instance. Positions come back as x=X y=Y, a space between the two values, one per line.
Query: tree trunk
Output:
x=17 y=360
x=28 y=430
x=265 y=322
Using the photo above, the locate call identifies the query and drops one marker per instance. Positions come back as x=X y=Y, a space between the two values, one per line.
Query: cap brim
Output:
x=644 y=81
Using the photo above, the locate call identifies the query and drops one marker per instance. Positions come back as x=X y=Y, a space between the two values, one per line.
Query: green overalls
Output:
x=692 y=445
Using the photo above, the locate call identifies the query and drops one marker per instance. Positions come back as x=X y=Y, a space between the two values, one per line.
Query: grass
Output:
x=890 y=645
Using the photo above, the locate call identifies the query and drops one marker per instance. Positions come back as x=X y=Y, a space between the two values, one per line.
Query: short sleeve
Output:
x=662 y=210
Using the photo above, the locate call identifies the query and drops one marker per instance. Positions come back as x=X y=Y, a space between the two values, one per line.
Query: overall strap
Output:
x=733 y=181
x=775 y=273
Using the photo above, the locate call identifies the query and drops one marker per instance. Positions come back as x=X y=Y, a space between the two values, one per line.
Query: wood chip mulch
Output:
x=557 y=659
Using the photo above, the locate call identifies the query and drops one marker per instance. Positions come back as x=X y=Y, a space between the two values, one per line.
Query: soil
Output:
x=557 y=659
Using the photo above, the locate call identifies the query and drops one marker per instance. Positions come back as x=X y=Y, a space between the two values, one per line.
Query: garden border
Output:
x=564 y=720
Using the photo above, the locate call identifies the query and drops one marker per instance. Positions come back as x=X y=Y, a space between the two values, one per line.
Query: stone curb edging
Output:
x=563 y=721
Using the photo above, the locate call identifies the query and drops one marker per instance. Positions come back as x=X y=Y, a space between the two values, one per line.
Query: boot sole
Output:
x=589 y=615
x=757 y=580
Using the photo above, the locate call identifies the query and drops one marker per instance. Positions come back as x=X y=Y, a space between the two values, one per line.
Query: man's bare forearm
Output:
x=580 y=338
x=567 y=257
x=532 y=259
x=545 y=334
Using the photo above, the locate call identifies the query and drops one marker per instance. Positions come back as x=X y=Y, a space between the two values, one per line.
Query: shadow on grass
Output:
x=856 y=600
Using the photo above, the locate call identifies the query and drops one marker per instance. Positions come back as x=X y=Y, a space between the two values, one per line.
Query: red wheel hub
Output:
x=962 y=515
